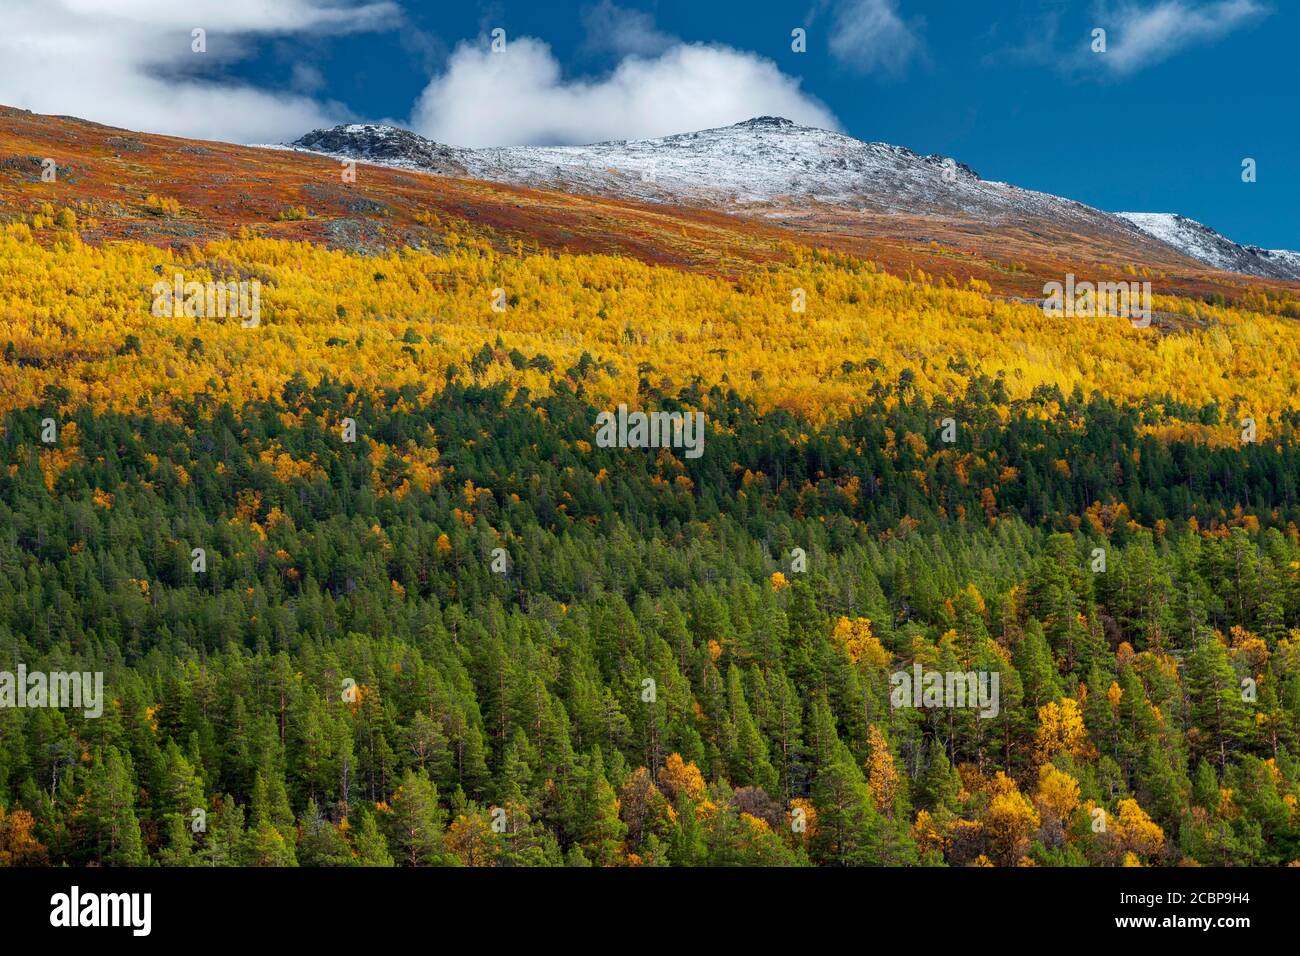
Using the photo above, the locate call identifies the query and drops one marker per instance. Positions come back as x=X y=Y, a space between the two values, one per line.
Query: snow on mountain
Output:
x=1204 y=244
x=771 y=166
x=758 y=163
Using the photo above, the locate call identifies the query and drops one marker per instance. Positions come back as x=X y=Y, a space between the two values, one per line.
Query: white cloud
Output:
x=622 y=31
x=129 y=62
x=519 y=97
x=307 y=78
x=870 y=35
x=1137 y=35
x=1140 y=36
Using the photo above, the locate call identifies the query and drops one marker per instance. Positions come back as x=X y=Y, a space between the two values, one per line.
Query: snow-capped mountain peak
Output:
x=1199 y=241
x=749 y=166
x=773 y=167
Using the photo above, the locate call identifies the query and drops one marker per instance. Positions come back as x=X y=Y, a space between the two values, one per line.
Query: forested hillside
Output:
x=526 y=690
x=474 y=636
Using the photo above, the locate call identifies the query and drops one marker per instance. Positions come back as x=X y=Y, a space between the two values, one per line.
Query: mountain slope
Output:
x=107 y=175
x=762 y=162
x=1201 y=242
x=773 y=168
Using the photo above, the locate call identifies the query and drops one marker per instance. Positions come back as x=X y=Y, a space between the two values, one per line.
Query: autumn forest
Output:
x=365 y=590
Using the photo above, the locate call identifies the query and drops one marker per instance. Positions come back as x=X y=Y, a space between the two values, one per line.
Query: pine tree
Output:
x=368 y=844
x=940 y=784
x=1218 y=714
x=178 y=850
x=225 y=833
x=418 y=821
x=601 y=832
x=848 y=826
x=687 y=847
x=1038 y=673
x=320 y=842
x=110 y=811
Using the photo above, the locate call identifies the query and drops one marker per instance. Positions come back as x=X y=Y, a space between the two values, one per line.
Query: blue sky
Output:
x=1159 y=122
